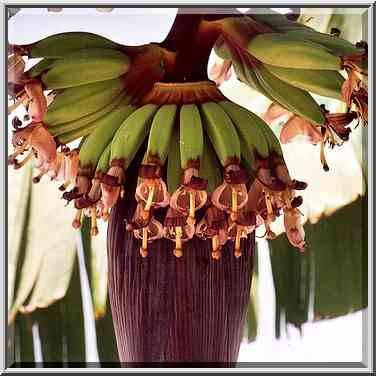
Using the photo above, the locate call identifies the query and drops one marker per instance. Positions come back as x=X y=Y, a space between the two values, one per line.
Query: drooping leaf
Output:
x=108 y=353
x=73 y=320
x=24 y=348
x=332 y=272
x=340 y=279
x=291 y=282
x=49 y=321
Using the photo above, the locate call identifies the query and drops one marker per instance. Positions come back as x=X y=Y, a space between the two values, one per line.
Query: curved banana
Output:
x=62 y=44
x=280 y=23
x=86 y=66
x=337 y=46
x=104 y=160
x=124 y=146
x=74 y=103
x=174 y=170
x=249 y=127
x=222 y=133
x=106 y=127
x=327 y=83
x=131 y=134
x=287 y=51
x=296 y=100
x=210 y=168
x=191 y=136
x=84 y=121
x=160 y=134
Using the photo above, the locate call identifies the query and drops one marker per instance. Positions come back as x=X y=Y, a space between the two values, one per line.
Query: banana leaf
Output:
x=49 y=250
x=331 y=276
x=252 y=312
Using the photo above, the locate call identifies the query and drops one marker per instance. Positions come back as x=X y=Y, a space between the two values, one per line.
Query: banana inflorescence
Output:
x=214 y=168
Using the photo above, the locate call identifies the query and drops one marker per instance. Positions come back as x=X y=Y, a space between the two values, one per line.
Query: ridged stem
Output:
x=169 y=311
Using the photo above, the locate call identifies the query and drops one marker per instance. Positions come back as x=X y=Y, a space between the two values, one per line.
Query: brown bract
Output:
x=177 y=93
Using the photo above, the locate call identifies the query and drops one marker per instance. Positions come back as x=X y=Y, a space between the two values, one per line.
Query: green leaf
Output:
x=24 y=350
x=73 y=319
x=333 y=269
x=50 y=326
x=291 y=282
x=107 y=349
x=252 y=312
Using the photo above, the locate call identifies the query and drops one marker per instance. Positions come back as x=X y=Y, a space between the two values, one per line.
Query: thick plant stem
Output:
x=176 y=312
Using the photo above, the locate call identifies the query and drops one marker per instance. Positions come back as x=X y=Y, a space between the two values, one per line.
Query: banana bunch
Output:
x=286 y=61
x=215 y=168
x=203 y=155
x=87 y=73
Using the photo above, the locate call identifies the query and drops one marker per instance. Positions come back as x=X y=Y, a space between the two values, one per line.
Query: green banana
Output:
x=248 y=159
x=97 y=141
x=132 y=133
x=59 y=45
x=249 y=127
x=295 y=100
x=289 y=52
x=327 y=83
x=191 y=135
x=210 y=168
x=57 y=130
x=74 y=103
x=275 y=20
x=222 y=133
x=174 y=171
x=40 y=67
x=104 y=161
x=86 y=66
x=160 y=134
x=280 y=23
x=336 y=45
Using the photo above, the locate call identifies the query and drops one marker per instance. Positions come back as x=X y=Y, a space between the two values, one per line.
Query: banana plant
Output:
x=139 y=137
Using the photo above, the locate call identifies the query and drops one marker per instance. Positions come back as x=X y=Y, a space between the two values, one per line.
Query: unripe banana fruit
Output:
x=289 y=52
x=97 y=141
x=222 y=133
x=160 y=134
x=59 y=45
x=131 y=134
x=86 y=66
x=327 y=83
x=74 y=103
x=191 y=136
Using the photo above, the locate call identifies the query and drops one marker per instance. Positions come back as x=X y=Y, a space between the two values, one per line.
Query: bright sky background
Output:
x=338 y=340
